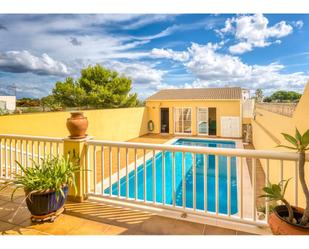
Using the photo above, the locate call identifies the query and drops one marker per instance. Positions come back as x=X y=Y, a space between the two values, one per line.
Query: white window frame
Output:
x=174 y=121
x=198 y=121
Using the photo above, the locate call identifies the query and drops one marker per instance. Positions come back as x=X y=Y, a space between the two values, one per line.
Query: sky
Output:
x=156 y=51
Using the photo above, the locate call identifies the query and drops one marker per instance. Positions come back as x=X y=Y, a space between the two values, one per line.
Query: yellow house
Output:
x=198 y=111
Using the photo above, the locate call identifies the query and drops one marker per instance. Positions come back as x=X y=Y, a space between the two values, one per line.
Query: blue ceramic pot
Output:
x=46 y=202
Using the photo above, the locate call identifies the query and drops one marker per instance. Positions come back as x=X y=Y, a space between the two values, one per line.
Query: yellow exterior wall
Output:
x=246 y=120
x=110 y=124
x=224 y=108
x=267 y=128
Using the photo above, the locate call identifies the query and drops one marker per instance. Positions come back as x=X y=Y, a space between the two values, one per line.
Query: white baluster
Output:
x=110 y=171
x=154 y=177
x=94 y=170
x=194 y=180
x=163 y=177
x=173 y=180
x=228 y=186
x=102 y=169
x=205 y=182
x=217 y=183
x=127 y=174
x=254 y=189
x=118 y=171
x=145 y=178
x=135 y=175
x=183 y=180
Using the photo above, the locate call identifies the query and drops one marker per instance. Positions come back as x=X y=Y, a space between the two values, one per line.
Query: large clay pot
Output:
x=77 y=125
x=279 y=226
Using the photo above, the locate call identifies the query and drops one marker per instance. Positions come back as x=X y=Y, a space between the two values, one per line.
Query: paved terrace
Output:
x=91 y=218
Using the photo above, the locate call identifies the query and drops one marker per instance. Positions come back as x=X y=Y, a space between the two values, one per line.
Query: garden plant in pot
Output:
x=287 y=219
x=45 y=185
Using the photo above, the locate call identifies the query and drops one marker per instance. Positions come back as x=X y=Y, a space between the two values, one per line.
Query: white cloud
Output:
x=146 y=79
x=166 y=32
x=206 y=63
x=140 y=73
x=298 y=24
x=228 y=26
x=253 y=31
x=79 y=36
x=144 y=20
x=170 y=54
x=212 y=69
x=24 y=61
x=240 y=48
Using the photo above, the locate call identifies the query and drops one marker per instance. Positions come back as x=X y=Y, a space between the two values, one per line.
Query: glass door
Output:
x=202 y=121
x=182 y=120
x=186 y=120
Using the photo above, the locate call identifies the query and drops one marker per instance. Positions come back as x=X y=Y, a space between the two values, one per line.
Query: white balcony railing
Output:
x=204 y=182
x=26 y=150
x=119 y=171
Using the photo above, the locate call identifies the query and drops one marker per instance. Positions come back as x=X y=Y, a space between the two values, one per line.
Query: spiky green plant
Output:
x=300 y=143
x=52 y=173
x=276 y=192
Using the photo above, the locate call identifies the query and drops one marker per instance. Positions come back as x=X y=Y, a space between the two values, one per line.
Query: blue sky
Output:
x=157 y=51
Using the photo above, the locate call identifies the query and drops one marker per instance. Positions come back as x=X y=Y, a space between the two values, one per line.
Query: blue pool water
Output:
x=211 y=200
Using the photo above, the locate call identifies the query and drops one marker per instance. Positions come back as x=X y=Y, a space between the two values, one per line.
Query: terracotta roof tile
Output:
x=198 y=93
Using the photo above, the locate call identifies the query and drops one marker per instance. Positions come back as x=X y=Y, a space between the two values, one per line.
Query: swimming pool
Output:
x=211 y=198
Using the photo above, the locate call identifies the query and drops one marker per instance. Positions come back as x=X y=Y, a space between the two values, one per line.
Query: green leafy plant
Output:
x=299 y=143
x=262 y=208
x=276 y=192
x=51 y=174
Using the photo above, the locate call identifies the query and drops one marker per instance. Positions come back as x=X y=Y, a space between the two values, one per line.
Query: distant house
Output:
x=8 y=103
x=199 y=111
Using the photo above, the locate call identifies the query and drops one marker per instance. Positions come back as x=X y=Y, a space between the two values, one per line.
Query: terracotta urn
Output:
x=77 y=125
x=280 y=226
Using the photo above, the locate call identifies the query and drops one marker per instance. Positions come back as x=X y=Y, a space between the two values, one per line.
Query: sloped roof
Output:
x=198 y=93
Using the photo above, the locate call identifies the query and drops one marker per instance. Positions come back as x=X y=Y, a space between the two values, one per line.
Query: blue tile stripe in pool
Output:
x=211 y=198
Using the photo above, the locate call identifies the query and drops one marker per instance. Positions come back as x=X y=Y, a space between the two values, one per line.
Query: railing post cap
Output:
x=85 y=139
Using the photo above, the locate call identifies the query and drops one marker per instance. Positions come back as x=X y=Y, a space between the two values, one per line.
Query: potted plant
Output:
x=45 y=185
x=286 y=219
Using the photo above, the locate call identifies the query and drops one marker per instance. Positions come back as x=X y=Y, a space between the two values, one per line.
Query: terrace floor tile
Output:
x=91 y=218
x=213 y=230
x=4 y=226
x=14 y=213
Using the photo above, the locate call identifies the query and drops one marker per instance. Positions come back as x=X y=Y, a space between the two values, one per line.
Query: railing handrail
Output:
x=265 y=154
x=31 y=138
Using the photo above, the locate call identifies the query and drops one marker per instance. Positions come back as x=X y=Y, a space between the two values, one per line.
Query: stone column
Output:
x=76 y=150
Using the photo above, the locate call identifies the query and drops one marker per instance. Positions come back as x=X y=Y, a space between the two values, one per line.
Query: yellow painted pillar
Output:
x=76 y=148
